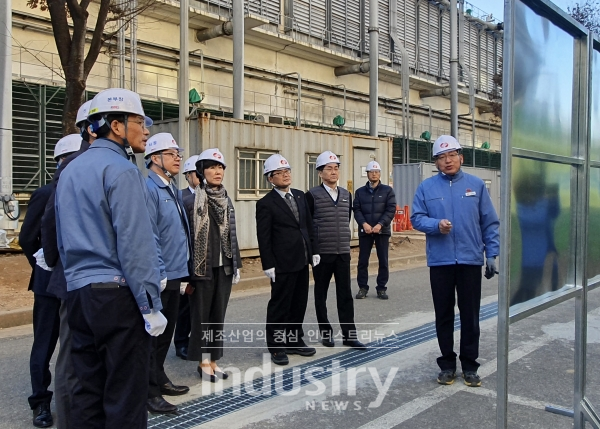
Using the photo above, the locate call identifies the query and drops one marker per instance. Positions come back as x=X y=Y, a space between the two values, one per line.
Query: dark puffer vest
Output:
x=331 y=221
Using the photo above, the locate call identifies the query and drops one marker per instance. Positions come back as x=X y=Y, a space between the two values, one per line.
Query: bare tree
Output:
x=587 y=13
x=69 y=20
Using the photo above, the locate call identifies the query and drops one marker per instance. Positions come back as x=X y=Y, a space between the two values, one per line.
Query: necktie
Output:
x=293 y=207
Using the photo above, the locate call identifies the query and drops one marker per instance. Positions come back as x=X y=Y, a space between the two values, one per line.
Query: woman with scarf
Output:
x=216 y=263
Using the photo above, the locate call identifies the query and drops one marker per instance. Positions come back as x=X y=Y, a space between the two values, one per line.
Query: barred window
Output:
x=251 y=182
x=312 y=175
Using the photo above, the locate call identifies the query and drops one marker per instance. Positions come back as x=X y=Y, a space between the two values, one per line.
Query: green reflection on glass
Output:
x=543 y=84
x=540 y=228
x=595 y=111
x=593 y=246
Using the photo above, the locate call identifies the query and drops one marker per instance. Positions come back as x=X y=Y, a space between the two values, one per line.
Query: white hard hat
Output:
x=327 y=157
x=82 y=113
x=115 y=101
x=275 y=162
x=66 y=145
x=213 y=154
x=373 y=165
x=445 y=144
x=190 y=164
x=159 y=142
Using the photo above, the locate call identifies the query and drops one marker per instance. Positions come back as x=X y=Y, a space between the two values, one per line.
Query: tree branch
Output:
x=97 y=38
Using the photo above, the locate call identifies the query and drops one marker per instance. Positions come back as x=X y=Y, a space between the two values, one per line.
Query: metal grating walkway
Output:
x=207 y=408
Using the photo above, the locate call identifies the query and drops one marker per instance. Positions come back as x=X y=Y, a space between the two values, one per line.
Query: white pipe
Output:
x=184 y=78
x=6 y=184
x=374 y=66
x=238 y=59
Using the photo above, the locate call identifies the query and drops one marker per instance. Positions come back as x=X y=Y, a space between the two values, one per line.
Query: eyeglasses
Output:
x=282 y=173
x=175 y=155
x=451 y=156
x=141 y=123
x=331 y=169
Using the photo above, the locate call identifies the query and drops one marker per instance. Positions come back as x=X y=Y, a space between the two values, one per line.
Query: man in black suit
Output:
x=287 y=245
x=46 y=305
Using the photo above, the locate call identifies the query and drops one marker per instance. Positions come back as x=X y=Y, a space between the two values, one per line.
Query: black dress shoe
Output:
x=42 y=417
x=206 y=376
x=181 y=352
x=158 y=405
x=302 y=351
x=221 y=374
x=327 y=343
x=355 y=344
x=279 y=358
x=170 y=389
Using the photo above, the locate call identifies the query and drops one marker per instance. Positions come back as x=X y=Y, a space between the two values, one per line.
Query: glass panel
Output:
x=595 y=125
x=593 y=249
x=540 y=228
x=543 y=84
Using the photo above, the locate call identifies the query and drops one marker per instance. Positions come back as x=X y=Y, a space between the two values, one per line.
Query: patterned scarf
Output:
x=216 y=201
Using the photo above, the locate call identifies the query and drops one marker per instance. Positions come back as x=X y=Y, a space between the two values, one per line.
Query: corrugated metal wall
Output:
x=407 y=178
x=296 y=144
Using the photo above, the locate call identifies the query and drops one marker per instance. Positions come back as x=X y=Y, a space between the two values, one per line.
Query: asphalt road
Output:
x=396 y=390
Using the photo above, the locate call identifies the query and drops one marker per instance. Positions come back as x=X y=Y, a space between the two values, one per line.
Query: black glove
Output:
x=490 y=268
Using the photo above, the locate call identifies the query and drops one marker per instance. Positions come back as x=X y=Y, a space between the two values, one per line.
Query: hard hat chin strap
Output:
x=128 y=148
x=164 y=170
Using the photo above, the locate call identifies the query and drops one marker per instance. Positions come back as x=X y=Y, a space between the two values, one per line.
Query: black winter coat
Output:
x=377 y=207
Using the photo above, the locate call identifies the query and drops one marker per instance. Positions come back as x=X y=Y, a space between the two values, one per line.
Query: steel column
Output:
x=374 y=66
x=238 y=59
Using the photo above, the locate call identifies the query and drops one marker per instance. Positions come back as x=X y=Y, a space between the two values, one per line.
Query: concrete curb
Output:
x=18 y=317
x=24 y=316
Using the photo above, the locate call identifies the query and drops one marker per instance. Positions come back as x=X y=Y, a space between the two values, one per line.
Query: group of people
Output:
x=123 y=265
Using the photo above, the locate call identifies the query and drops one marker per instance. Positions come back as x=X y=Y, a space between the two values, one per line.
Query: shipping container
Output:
x=246 y=144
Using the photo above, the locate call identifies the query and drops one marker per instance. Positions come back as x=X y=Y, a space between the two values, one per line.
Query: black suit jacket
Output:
x=30 y=237
x=280 y=236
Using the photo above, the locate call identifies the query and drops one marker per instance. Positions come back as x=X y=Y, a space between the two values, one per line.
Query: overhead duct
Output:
x=225 y=29
x=440 y=92
x=354 y=69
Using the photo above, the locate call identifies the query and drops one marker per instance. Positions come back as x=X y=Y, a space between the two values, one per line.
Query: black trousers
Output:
x=365 y=245
x=65 y=379
x=466 y=281
x=286 y=310
x=184 y=323
x=339 y=267
x=160 y=345
x=46 y=327
x=208 y=305
x=110 y=352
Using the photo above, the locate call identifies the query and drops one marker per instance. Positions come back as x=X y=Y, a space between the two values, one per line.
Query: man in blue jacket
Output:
x=108 y=248
x=374 y=209
x=455 y=211
x=163 y=158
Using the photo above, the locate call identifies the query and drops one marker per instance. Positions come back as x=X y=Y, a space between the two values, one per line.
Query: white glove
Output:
x=316 y=260
x=270 y=273
x=163 y=284
x=155 y=323
x=182 y=288
x=236 y=276
x=40 y=260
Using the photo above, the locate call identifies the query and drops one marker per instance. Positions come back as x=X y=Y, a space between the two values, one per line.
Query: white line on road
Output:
x=424 y=402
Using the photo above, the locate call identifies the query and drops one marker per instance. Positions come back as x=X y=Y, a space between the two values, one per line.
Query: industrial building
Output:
x=306 y=67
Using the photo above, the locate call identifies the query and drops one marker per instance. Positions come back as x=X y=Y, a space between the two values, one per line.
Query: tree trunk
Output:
x=73 y=100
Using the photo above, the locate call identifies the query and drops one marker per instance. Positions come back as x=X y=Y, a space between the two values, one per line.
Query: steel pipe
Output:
x=238 y=59
x=225 y=29
x=374 y=66
x=354 y=69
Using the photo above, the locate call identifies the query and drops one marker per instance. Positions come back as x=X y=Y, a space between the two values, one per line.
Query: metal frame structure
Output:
x=579 y=162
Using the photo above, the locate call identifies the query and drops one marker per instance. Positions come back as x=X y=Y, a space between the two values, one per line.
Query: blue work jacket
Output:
x=103 y=226
x=167 y=211
x=464 y=200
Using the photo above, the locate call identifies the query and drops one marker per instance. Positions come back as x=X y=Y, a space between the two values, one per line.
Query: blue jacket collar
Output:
x=110 y=144
x=454 y=178
x=156 y=178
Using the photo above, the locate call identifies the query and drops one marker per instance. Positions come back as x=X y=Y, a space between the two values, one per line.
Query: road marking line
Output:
x=437 y=395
